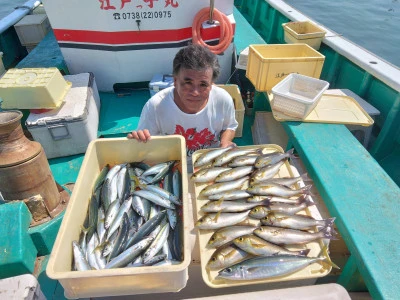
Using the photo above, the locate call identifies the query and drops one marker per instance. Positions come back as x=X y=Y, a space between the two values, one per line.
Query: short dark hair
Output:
x=196 y=57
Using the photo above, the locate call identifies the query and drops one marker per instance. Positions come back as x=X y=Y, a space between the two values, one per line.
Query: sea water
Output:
x=373 y=24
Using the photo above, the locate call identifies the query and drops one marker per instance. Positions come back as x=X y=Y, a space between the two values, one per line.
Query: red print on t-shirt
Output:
x=196 y=140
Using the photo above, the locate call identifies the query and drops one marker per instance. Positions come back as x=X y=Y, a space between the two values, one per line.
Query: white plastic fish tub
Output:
x=121 y=281
x=306 y=276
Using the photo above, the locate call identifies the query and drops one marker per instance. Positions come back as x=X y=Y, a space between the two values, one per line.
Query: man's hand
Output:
x=140 y=135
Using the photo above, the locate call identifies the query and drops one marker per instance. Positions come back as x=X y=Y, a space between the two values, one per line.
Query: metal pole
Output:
x=211 y=21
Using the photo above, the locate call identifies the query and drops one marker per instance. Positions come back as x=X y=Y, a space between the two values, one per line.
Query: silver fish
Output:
x=234 y=174
x=207 y=174
x=285 y=236
x=227 y=256
x=287 y=181
x=81 y=264
x=219 y=220
x=295 y=221
x=267 y=267
x=156 y=244
x=228 y=206
x=262 y=211
x=129 y=254
x=230 y=195
x=265 y=172
x=244 y=160
x=163 y=193
x=228 y=234
x=111 y=214
x=223 y=186
x=155 y=198
x=209 y=156
x=272 y=158
x=260 y=247
x=278 y=190
x=230 y=155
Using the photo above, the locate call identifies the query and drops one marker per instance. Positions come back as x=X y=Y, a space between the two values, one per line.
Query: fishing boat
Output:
x=121 y=45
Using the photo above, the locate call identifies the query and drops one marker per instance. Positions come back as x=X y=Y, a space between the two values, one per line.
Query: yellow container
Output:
x=269 y=64
x=306 y=276
x=33 y=88
x=234 y=91
x=121 y=281
x=303 y=32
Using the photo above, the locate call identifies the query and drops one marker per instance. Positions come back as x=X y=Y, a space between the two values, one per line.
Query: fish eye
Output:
x=212 y=238
x=229 y=270
x=261 y=229
x=241 y=239
x=213 y=258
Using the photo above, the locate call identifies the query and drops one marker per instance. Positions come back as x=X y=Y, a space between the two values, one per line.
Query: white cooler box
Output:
x=160 y=82
x=69 y=129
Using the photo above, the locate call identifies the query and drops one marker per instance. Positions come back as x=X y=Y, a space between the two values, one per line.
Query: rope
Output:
x=226 y=31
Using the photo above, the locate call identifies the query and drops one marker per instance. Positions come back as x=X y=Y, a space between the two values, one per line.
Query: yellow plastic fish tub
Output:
x=121 y=281
x=306 y=276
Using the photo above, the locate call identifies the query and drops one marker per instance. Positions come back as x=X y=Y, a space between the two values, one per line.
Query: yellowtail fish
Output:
x=206 y=175
x=209 y=156
x=230 y=195
x=295 y=221
x=272 y=158
x=277 y=190
x=234 y=174
x=285 y=236
x=287 y=181
x=230 y=155
x=227 y=256
x=219 y=220
x=260 y=247
x=223 y=186
x=266 y=172
x=244 y=160
x=262 y=211
x=227 y=234
x=228 y=206
x=267 y=267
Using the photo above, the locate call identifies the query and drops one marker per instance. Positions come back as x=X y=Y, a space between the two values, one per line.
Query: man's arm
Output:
x=226 y=138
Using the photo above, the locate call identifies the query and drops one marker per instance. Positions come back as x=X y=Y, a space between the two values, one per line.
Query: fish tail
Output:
x=305 y=177
x=329 y=222
x=328 y=233
x=290 y=153
x=307 y=189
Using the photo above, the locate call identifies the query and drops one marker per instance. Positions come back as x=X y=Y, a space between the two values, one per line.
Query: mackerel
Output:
x=156 y=244
x=81 y=264
x=155 y=198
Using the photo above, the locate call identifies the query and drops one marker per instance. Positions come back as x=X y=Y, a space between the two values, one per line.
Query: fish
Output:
x=163 y=193
x=157 y=244
x=219 y=220
x=260 y=247
x=272 y=189
x=234 y=174
x=101 y=177
x=272 y=158
x=230 y=155
x=228 y=206
x=267 y=267
x=285 y=236
x=227 y=256
x=227 y=234
x=223 y=186
x=244 y=160
x=209 y=156
x=230 y=195
x=155 y=198
x=287 y=181
x=206 y=175
x=129 y=254
x=261 y=211
x=265 y=172
x=295 y=221
x=80 y=262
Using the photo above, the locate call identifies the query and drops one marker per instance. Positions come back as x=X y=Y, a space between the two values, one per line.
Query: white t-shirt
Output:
x=161 y=116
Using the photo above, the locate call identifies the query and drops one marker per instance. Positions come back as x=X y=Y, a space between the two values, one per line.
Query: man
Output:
x=194 y=107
